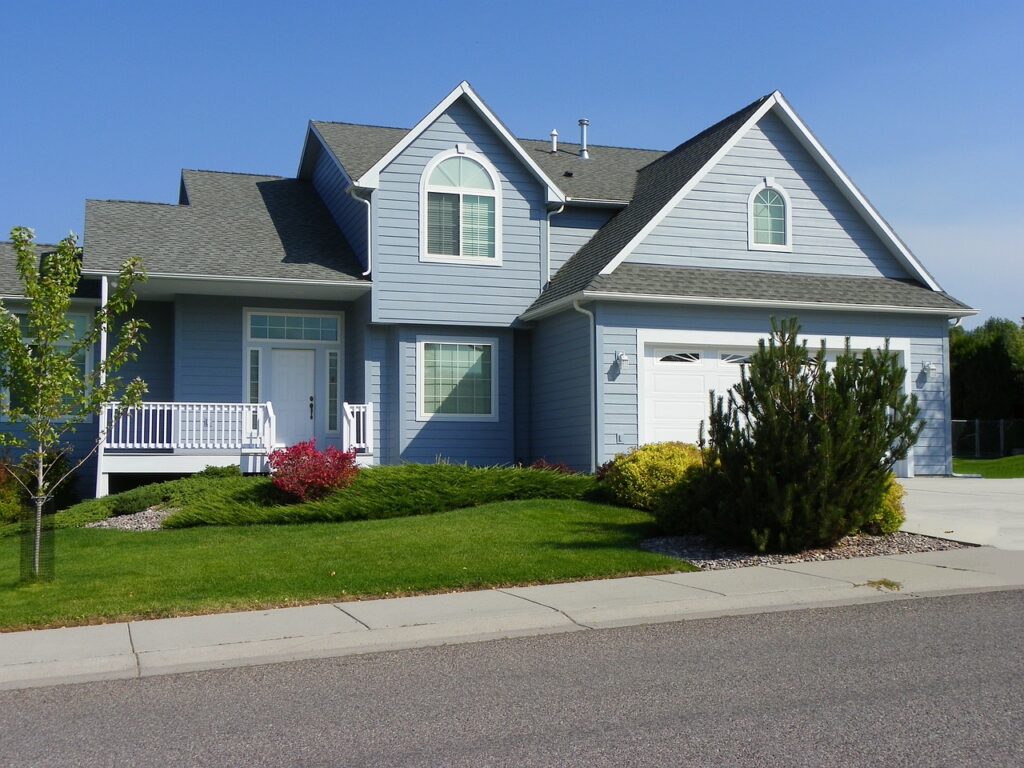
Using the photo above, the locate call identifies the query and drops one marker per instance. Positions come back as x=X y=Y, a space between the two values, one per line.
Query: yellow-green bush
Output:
x=642 y=476
x=890 y=515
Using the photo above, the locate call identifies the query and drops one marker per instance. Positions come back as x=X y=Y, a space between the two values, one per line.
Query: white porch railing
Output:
x=189 y=427
x=358 y=432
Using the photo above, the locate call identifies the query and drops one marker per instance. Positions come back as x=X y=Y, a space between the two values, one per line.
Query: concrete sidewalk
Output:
x=165 y=646
x=987 y=512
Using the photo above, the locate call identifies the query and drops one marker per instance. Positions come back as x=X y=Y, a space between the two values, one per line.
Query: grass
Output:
x=1009 y=466
x=107 y=575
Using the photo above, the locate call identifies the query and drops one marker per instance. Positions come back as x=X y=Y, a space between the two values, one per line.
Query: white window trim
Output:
x=421 y=342
x=774 y=186
x=426 y=187
x=90 y=353
x=338 y=392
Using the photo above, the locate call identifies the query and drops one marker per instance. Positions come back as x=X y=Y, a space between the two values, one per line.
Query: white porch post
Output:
x=104 y=295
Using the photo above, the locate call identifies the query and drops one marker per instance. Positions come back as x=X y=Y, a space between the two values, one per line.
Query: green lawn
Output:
x=1009 y=466
x=105 y=575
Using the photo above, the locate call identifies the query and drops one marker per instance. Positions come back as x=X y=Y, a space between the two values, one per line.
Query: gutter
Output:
x=547 y=246
x=233 y=278
x=566 y=302
x=593 y=382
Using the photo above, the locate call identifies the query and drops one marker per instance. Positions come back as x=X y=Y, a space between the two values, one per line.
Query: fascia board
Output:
x=685 y=190
x=371 y=178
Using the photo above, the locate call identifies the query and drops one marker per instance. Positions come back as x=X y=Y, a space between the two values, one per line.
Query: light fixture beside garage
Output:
x=622 y=360
x=927 y=368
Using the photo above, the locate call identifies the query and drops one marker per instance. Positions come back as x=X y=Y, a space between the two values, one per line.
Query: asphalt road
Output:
x=936 y=682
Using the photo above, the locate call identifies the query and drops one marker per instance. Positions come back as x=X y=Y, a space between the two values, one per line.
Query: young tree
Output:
x=802 y=453
x=50 y=391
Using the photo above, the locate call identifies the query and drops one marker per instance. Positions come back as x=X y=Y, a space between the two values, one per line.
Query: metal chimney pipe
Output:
x=584 y=154
x=554 y=139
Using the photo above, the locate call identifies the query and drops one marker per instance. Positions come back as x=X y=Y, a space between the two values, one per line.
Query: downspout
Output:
x=547 y=245
x=369 y=223
x=593 y=383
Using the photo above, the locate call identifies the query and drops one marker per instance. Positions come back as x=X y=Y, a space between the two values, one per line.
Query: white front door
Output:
x=291 y=393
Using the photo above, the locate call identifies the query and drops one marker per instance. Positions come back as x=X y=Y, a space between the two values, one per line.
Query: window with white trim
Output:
x=462 y=208
x=769 y=218
x=333 y=383
x=457 y=379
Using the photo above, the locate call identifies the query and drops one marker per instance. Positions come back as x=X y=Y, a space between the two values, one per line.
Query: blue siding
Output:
x=561 y=383
x=410 y=291
x=618 y=323
x=482 y=443
x=709 y=226
x=357 y=323
x=572 y=228
x=155 y=365
x=350 y=215
x=381 y=387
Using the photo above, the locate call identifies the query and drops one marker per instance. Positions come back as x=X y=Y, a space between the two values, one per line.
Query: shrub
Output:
x=376 y=493
x=560 y=467
x=642 y=476
x=139 y=499
x=231 y=470
x=11 y=502
x=688 y=506
x=306 y=473
x=805 y=452
x=889 y=516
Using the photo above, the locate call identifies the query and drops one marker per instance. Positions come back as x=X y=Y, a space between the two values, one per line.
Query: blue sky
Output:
x=921 y=103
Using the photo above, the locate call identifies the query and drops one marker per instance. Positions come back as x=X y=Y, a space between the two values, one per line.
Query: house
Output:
x=451 y=291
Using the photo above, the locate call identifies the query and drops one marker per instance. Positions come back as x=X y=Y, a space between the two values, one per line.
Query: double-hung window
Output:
x=462 y=210
x=457 y=379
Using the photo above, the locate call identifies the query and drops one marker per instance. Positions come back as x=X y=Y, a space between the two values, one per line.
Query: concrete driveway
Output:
x=967 y=509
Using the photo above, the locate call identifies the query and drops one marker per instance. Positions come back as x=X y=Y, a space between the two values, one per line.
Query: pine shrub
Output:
x=640 y=477
x=804 y=453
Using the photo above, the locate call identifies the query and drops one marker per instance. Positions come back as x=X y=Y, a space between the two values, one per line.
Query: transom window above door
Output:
x=461 y=204
x=293 y=327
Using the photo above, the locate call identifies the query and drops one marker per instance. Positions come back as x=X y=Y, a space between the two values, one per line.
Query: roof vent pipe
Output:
x=583 y=138
x=554 y=139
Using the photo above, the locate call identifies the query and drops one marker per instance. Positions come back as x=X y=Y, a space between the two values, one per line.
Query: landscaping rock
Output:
x=709 y=556
x=147 y=520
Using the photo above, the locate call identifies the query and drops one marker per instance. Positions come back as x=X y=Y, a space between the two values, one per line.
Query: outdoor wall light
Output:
x=927 y=368
x=621 y=360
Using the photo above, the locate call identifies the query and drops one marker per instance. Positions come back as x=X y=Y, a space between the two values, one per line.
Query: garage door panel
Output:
x=675 y=410
x=691 y=384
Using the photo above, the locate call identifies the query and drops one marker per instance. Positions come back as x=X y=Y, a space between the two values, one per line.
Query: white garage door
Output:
x=677 y=379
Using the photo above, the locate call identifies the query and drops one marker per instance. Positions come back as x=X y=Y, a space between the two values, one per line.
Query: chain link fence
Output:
x=987 y=438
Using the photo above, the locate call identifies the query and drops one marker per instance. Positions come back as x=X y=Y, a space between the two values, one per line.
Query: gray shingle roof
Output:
x=10 y=284
x=656 y=184
x=609 y=174
x=235 y=225
x=708 y=283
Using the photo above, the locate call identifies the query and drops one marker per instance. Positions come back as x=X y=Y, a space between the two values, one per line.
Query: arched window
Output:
x=462 y=212
x=770 y=219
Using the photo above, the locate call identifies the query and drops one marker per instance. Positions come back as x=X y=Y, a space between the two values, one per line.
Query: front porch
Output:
x=180 y=438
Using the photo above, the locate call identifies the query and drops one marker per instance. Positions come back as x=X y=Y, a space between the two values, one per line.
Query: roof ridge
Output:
x=235 y=173
x=131 y=202
x=591 y=145
x=359 y=125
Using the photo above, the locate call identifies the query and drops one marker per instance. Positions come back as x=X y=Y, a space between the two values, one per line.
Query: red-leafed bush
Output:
x=306 y=473
x=560 y=467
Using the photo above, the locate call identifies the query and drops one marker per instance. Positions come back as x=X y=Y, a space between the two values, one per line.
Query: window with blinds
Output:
x=462 y=210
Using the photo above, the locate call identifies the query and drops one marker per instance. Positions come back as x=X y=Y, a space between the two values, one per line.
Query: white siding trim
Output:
x=371 y=178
